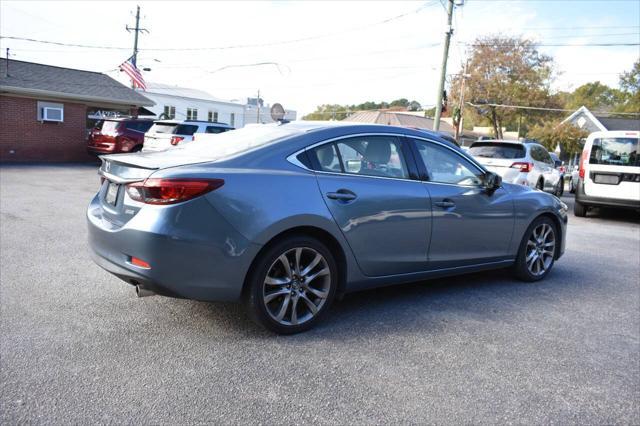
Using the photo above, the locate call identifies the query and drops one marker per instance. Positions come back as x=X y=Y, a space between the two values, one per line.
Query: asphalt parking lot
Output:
x=77 y=346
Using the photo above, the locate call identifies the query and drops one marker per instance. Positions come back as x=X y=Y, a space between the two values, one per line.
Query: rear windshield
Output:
x=230 y=144
x=186 y=129
x=615 y=152
x=163 y=128
x=109 y=126
x=497 y=150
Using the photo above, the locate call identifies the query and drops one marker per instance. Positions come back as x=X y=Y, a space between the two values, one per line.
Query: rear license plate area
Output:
x=111 y=196
x=607 y=179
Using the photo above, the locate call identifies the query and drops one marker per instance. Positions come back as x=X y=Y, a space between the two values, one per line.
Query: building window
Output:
x=232 y=121
x=169 y=111
x=192 y=113
x=213 y=116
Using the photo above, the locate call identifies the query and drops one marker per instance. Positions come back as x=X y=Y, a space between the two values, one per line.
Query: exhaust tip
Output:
x=143 y=292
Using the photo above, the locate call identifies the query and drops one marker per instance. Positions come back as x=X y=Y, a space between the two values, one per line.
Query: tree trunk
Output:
x=496 y=125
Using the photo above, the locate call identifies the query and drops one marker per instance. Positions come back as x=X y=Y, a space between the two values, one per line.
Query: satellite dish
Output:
x=277 y=112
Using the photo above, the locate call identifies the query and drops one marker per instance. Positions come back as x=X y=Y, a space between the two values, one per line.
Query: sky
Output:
x=312 y=53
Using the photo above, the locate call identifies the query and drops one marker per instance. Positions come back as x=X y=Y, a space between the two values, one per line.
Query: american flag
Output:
x=134 y=73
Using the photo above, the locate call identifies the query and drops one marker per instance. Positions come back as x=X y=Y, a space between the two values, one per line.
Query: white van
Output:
x=609 y=172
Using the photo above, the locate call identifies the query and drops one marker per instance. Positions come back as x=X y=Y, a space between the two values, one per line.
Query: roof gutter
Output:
x=62 y=95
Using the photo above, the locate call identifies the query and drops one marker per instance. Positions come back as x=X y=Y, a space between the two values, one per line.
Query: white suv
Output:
x=609 y=172
x=521 y=163
x=165 y=134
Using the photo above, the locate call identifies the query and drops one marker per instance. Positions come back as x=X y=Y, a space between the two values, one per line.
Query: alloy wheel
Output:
x=540 y=249
x=296 y=286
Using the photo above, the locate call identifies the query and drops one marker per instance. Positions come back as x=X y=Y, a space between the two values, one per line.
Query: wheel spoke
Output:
x=287 y=267
x=294 y=311
x=283 y=307
x=312 y=306
x=318 y=293
x=312 y=265
x=530 y=256
x=298 y=256
x=269 y=297
x=310 y=278
x=276 y=281
x=540 y=265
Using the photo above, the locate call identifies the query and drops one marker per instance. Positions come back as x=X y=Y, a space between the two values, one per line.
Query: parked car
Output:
x=527 y=164
x=166 y=134
x=573 y=180
x=609 y=173
x=284 y=217
x=116 y=135
x=559 y=165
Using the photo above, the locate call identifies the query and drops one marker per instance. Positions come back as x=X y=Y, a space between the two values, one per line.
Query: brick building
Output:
x=44 y=110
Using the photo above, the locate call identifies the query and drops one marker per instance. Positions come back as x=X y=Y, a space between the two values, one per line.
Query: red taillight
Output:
x=562 y=169
x=524 y=167
x=583 y=159
x=140 y=263
x=171 y=191
x=175 y=140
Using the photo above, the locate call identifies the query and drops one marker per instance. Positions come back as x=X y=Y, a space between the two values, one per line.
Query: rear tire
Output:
x=540 y=185
x=560 y=188
x=580 y=209
x=537 y=252
x=572 y=189
x=291 y=298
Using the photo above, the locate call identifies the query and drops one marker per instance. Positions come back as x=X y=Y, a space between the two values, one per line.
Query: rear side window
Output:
x=186 y=129
x=615 y=152
x=163 y=128
x=215 y=129
x=497 y=150
x=367 y=156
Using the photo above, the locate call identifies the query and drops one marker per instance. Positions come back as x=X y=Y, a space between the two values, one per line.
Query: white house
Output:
x=191 y=104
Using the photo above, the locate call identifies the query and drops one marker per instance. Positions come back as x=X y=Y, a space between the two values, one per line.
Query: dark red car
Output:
x=115 y=135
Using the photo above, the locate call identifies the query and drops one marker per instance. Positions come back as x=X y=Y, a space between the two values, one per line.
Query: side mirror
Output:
x=492 y=181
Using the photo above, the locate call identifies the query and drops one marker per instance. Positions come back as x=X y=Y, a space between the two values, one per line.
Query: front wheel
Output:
x=537 y=251
x=560 y=188
x=292 y=285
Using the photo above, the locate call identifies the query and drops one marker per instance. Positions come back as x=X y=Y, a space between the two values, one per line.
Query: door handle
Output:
x=342 y=195
x=445 y=204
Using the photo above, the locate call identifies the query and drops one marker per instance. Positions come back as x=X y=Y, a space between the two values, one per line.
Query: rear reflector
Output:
x=171 y=191
x=524 y=167
x=139 y=262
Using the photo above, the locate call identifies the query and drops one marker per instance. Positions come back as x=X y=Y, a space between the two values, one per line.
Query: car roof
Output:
x=126 y=119
x=208 y=123
x=484 y=141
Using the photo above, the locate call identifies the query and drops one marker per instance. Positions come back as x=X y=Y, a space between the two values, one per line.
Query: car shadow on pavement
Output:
x=420 y=306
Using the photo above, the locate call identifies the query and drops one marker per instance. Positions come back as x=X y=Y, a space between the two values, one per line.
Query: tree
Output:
x=630 y=88
x=340 y=112
x=551 y=134
x=508 y=71
x=595 y=96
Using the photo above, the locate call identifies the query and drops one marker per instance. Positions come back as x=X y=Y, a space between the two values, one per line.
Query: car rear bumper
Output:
x=100 y=150
x=192 y=251
x=583 y=198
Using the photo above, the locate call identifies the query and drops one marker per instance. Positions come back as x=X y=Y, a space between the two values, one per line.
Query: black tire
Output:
x=580 y=209
x=572 y=189
x=520 y=268
x=540 y=185
x=255 y=292
x=136 y=148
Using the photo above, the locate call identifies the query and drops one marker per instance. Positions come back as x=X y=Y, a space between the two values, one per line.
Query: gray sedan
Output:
x=286 y=217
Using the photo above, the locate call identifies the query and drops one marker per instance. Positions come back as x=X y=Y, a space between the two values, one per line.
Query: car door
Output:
x=470 y=225
x=370 y=185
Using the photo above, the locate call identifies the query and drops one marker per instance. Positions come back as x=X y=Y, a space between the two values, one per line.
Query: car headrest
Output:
x=378 y=152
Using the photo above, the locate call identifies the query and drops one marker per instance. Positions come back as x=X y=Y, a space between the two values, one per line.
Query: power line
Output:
x=547 y=109
x=473 y=44
x=235 y=46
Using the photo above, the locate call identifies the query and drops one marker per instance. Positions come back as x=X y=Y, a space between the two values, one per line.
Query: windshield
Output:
x=229 y=144
x=163 y=128
x=497 y=150
x=615 y=152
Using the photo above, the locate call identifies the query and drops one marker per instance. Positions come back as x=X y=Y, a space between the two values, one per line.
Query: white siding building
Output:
x=192 y=104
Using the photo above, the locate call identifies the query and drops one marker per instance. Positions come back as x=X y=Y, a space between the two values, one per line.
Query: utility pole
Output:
x=443 y=71
x=258 y=108
x=460 y=128
x=136 y=30
x=6 y=71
